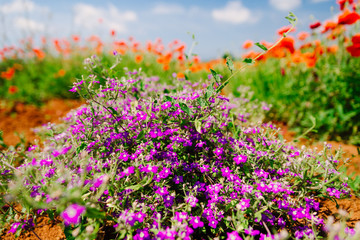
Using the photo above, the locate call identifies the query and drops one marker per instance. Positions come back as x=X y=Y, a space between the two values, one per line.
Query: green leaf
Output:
x=201 y=102
x=261 y=46
x=114 y=112
x=230 y=64
x=291 y=18
x=185 y=108
x=216 y=76
x=248 y=60
x=94 y=213
x=68 y=233
x=209 y=91
x=258 y=216
x=81 y=147
x=197 y=125
x=168 y=99
x=50 y=214
x=141 y=135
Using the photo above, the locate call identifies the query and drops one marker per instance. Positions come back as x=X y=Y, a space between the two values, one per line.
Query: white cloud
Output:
x=285 y=5
x=165 y=9
x=88 y=16
x=21 y=6
x=18 y=6
x=28 y=25
x=234 y=12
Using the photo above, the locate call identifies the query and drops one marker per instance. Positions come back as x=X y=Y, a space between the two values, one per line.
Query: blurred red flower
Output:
x=13 y=89
x=342 y=3
x=348 y=17
x=8 y=74
x=315 y=25
x=354 y=49
x=39 y=53
x=247 y=44
x=283 y=30
x=303 y=35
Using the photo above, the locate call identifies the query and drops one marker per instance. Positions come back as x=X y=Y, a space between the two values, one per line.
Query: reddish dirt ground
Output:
x=22 y=118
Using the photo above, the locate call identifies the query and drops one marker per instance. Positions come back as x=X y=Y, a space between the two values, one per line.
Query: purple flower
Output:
x=14 y=227
x=124 y=156
x=141 y=116
x=180 y=216
x=218 y=151
x=140 y=216
x=142 y=234
x=162 y=191
x=213 y=223
x=72 y=214
x=167 y=234
x=97 y=183
x=226 y=171
x=240 y=159
x=244 y=204
x=165 y=106
x=149 y=169
x=129 y=171
x=178 y=179
x=191 y=200
x=164 y=173
x=233 y=236
x=196 y=222
x=46 y=162
x=169 y=201
x=252 y=232
x=131 y=219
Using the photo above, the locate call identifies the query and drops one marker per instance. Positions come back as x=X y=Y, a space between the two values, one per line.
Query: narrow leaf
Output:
x=185 y=108
x=209 y=91
x=113 y=111
x=197 y=125
x=220 y=87
x=201 y=102
x=168 y=99
x=216 y=76
x=261 y=46
x=248 y=60
x=230 y=64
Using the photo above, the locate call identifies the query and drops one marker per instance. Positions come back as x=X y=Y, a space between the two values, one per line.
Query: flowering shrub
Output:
x=159 y=161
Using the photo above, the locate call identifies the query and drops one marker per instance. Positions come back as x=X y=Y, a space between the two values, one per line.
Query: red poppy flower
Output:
x=348 y=17
x=283 y=30
x=39 y=53
x=342 y=3
x=303 y=35
x=8 y=74
x=328 y=25
x=247 y=44
x=315 y=25
x=75 y=38
x=13 y=89
x=354 y=50
x=356 y=39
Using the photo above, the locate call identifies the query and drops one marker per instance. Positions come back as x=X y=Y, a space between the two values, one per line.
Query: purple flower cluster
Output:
x=165 y=162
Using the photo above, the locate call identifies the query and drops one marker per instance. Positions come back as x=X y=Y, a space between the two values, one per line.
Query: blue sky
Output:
x=218 y=26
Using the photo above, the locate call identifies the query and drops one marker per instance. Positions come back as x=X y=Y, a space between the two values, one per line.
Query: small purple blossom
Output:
x=233 y=236
x=196 y=222
x=72 y=214
x=14 y=227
